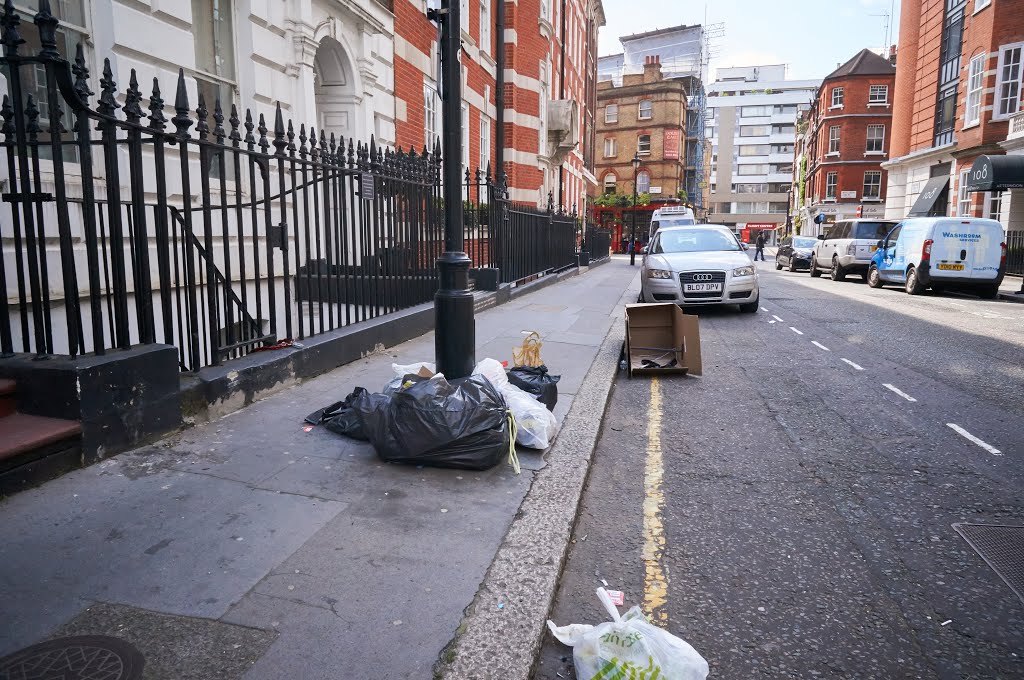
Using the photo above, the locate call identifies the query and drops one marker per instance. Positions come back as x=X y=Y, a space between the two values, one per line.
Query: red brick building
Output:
x=959 y=79
x=848 y=128
x=543 y=118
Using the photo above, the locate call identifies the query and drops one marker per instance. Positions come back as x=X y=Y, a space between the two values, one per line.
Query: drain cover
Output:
x=1002 y=547
x=87 y=657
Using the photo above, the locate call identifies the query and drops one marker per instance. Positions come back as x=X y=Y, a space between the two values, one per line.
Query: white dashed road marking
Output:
x=764 y=309
x=967 y=435
x=857 y=366
x=796 y=331
x=776 y=318
x=820 y=346
x=898 y=391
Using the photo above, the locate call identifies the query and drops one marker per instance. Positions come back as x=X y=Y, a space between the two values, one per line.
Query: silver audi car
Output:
x=698 y=265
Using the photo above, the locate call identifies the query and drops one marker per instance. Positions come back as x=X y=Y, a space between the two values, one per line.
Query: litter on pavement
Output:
x=537 y=381
x=628 y=646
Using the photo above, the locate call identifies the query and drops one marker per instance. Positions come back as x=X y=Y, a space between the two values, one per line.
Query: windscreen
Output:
x=804 y=242
x=872 y=231
x=695 y=241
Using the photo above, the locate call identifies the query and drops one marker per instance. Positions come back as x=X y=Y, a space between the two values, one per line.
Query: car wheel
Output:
x=874 y=278
x=837 y=273
x=913 y=285
x=792 y=265
x=750 y=307
x=815 y=272
x=989 y=293
x=778 y=265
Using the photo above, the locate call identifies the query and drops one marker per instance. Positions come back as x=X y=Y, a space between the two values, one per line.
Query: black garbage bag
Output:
x=430 y=421
x=537 y=381
x=340 y=418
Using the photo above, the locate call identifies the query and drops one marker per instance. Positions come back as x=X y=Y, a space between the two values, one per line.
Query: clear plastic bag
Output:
x=628 y=647
x=535 y=425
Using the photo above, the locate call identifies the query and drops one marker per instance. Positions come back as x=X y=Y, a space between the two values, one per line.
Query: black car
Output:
x=795 y=252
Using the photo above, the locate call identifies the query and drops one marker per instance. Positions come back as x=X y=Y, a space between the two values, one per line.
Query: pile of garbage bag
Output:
x=628 y=646
x=421 y=417
x=537 y=381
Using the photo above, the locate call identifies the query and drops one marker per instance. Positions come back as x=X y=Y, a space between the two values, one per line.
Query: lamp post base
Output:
x=454 y=322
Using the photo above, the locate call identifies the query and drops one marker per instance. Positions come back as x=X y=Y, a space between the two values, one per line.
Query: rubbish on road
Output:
x=536 y=426
x=617 y=597
x=528 y=354
x=340 y=417
x=537 y=381
x=628 y=646
x=464 y=423
x=661 y=340
x=604 y=583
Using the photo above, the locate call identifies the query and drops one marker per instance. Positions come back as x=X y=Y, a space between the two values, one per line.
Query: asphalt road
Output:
x=800 y=497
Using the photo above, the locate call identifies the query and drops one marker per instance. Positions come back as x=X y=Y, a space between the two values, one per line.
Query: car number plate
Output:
x=701 y=287
x=951 y=267
x=874 y=248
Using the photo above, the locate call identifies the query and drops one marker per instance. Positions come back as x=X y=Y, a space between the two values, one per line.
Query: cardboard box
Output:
x=661 y=333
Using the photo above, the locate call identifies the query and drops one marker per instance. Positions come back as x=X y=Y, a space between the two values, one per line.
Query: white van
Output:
x=942 y=253
x=672 y=216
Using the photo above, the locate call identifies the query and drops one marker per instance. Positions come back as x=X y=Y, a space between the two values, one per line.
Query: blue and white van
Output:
x=941 y=253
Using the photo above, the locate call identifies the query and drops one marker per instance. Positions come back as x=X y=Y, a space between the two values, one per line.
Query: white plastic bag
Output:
x=535 y=424
x=412 y=369
x=629 y=647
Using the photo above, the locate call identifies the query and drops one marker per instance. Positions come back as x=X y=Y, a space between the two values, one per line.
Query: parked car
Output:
x=941 y=253
x=671 y=216
x=700 y=265
x=795 y=252
x=848 y=248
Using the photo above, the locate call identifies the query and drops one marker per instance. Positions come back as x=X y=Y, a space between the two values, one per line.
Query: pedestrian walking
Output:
x=759 y=246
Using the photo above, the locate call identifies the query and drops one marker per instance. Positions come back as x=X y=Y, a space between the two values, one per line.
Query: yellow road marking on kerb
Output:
x=655 y=581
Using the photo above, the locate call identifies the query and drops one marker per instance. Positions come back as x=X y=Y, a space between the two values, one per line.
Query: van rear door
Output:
x=967 y=249
x=984 y=256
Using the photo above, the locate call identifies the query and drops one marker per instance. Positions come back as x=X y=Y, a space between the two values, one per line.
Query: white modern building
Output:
x=752 y=112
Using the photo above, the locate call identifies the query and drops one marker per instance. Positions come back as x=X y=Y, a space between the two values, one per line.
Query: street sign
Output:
x=366 y=186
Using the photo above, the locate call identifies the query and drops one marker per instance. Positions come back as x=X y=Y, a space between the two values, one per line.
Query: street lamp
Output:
x=632 y=238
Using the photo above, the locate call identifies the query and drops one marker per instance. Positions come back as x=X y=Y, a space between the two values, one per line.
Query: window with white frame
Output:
x=545 y=10
x=981 y=4
x=1008 y=85
x=464 y=15
x=994 y=205
x=485 y=25
x=609 y=183
x=611 y=113
x=872 y=185
x=645 y=110
x=643 y=145
x=643 y=182
x=213 y=35
x=429 y=116
x=875 y=139
x=609 y=147
x=878 y=94
x=975 y=87
x=485 y=142
x=837 y=97
x=831 y=181
x=963 y=197
x=833 y=139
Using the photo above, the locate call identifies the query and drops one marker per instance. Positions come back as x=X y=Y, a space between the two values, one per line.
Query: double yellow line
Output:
x=655 y=574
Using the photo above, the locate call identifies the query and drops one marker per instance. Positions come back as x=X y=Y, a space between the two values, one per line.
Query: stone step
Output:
x=8 y=398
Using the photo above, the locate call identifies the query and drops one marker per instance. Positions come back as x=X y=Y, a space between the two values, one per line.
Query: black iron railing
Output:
x=209 y=230
x=598 y=243
x=1015 y=253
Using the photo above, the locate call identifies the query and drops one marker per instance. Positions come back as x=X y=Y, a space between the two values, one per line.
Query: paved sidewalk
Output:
x=247 y=547
x=1011 y=289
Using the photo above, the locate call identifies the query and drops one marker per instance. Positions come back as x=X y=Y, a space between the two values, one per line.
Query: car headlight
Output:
x=743 y=271
x=658 y=274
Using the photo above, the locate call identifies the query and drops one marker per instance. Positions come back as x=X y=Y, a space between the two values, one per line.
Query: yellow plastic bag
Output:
x=528 y=354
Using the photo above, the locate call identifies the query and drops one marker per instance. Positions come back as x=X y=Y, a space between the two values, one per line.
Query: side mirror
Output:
x=881 y=244
x=745 y=246
x=821 y=237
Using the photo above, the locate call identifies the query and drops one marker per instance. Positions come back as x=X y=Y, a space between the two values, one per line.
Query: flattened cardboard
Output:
x=660 y=333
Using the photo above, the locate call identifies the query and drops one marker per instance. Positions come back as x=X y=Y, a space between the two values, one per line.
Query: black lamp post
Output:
x=455 y=327
x=632 y=239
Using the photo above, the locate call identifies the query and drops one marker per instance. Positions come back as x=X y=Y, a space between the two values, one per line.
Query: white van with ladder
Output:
x=671 y=216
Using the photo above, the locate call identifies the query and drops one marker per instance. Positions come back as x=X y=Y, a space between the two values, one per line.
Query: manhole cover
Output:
x=87 y=657
x=1002 y=547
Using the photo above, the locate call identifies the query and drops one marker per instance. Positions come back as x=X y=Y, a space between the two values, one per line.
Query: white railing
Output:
x=1016 y=126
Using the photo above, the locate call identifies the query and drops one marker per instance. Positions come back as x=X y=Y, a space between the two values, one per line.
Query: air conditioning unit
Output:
x=563 y=125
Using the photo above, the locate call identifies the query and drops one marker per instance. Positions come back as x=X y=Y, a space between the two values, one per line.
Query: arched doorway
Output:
x=334 y=89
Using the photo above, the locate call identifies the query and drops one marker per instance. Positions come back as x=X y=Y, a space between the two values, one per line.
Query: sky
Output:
x=811 y=36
